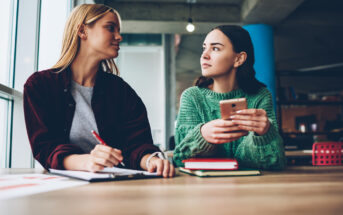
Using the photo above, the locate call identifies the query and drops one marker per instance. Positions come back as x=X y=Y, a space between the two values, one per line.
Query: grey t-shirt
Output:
x=84 y=120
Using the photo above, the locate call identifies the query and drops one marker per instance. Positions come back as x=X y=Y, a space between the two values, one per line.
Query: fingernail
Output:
x=231 y=117
x=239 y=111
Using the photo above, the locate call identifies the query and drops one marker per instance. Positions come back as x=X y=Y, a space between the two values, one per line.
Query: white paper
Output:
x=122 y=171
x=17 y=185
x=104 y=174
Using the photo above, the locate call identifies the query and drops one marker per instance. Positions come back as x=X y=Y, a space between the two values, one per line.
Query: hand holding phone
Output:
x=255 y=120
x=222 y=130
x=230 y=106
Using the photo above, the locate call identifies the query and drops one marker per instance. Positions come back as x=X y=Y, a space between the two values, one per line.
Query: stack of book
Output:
x=207 y=167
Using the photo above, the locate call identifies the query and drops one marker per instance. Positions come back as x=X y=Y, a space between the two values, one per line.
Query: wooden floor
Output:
x=298 y=190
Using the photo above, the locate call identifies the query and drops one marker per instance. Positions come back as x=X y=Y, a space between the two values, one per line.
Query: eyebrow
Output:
x=111 y=22
x=213 y=44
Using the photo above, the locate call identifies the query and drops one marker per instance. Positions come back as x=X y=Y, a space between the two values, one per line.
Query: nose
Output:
x=205 y=54
x=117 y=36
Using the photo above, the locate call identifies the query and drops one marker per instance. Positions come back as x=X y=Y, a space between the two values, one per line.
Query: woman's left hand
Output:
x=161 y=167
x=252 y=120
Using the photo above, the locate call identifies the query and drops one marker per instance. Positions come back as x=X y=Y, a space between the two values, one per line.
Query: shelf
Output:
x=311 y=133
x=321 y=73
x=304 y=102
x=299 y=153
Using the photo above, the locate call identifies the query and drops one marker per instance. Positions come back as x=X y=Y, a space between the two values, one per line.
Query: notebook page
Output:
x=122 y=171
x=79 y=174
x=104 y=174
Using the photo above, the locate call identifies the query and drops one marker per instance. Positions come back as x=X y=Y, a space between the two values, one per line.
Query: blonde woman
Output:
x=82 y=92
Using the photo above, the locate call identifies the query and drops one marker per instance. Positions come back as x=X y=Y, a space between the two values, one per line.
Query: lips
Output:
x=205 y=65
x=116 y=46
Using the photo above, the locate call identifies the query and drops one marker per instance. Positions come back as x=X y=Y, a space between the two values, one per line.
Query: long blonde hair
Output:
x=85 y=14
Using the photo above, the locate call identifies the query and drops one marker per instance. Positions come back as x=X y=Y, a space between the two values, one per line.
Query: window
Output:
x=7 y=22
x=53 y=17
x=7 y=14
x=30 y=40
x=5 y=106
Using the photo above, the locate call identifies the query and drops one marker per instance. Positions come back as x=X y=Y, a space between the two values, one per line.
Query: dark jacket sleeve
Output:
x=137 y=132
x=48 y=142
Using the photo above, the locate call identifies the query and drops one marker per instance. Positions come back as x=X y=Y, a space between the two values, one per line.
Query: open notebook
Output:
x=107 y=174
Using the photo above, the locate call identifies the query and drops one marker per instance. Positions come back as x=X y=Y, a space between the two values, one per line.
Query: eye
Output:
x=215 y=49
x=110 y=28
x=203 y=48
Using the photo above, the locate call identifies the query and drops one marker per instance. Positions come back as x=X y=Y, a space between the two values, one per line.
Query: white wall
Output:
x=143 y=68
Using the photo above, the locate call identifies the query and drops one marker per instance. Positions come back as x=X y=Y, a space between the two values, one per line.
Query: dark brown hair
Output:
x=245 y=76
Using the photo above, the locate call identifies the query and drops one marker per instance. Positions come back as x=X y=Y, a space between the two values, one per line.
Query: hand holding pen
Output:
x=106 y=155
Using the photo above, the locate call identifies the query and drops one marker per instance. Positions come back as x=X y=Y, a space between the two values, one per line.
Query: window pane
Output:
x=53 y=17
x=6 y=14
x=4 y=105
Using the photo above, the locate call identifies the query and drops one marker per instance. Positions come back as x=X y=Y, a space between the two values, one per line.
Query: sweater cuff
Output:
x=204 y=146
x=267 y=138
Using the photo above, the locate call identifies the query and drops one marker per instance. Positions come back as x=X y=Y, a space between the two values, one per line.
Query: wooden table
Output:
x=297 y=190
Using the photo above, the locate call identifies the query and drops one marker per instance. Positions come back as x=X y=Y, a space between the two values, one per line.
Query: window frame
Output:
x=23 y=60
x=8 y=93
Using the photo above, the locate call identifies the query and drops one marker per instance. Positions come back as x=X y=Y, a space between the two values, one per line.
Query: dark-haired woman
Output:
x=251 y=135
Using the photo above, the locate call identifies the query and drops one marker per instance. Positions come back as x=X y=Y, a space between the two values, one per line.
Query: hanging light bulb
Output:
x=190 y=27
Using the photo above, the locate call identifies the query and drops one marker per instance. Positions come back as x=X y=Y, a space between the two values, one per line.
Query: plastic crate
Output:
x=327 y=153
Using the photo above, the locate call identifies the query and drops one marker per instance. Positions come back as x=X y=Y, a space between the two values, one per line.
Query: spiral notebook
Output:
x=107 y=174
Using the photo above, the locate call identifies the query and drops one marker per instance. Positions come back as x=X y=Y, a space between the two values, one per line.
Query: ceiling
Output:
x=310 y=38
x=308 y=34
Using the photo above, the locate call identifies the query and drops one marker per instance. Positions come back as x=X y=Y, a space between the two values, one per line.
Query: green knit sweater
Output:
x=201 y=105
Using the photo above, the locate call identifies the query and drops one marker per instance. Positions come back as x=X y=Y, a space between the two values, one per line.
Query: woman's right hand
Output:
x=220 y=131
x=103 y=156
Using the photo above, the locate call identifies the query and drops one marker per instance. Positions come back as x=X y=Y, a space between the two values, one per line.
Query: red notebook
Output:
x=211 y=164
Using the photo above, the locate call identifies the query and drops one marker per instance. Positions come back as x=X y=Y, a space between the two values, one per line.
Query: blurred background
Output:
x=298 y=47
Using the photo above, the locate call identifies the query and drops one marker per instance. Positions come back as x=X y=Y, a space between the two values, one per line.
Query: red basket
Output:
x=327 y=153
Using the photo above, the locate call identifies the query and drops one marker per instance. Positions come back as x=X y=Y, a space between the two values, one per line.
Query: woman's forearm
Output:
x=76 y=162
x=143 y=162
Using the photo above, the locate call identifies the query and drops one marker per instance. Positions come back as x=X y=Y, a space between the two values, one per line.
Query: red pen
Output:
x=101 y=141
x=98 y=138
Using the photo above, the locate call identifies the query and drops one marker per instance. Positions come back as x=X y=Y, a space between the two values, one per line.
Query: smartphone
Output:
x=229 y=106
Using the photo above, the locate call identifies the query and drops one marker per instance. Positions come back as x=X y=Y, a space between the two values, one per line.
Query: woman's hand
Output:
x=221 y=131
x=252 y=120
x=103 y=156
x=160 y=166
